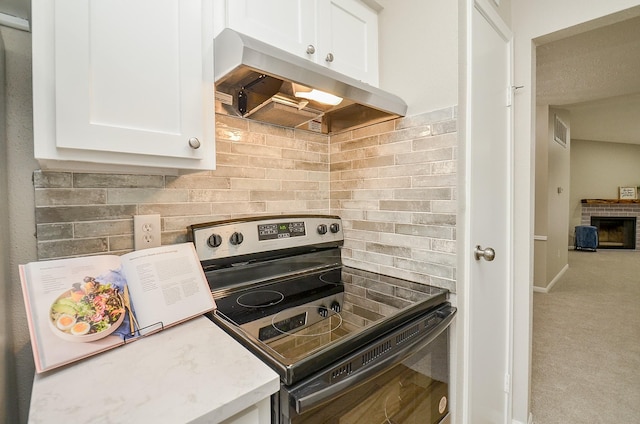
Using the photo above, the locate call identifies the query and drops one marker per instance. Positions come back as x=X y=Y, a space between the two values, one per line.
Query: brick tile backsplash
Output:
x=395 y=190
x=392 y=183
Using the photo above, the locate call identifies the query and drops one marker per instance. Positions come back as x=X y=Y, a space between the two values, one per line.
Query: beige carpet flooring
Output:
x=586 y=342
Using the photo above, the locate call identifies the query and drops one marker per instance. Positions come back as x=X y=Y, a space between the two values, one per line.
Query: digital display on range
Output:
x=281 y=230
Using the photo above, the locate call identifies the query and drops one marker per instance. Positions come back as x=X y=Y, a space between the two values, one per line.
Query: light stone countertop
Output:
x=193 y=371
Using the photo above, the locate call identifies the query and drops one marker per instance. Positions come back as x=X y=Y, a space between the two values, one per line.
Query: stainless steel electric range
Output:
x=350 y=346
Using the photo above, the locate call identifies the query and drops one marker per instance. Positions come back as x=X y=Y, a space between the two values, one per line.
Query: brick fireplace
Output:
x=617 y=210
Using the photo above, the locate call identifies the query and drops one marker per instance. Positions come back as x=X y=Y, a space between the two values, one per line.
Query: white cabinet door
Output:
x=124 y=82
x=288 y=24
x=348 y=41
x=339 y=34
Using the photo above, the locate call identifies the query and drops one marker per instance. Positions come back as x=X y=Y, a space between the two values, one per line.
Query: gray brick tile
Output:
x=426 y=118
x=68 y=248
x=434 y=219
x=405 y=205
x=117 y=180
x=70 y=196
x=49 y=179
x=121 y=243
x=200 y=181
x=46 y=232
x=83 y=213
x=146 y=195
x=103 y=228
x=175 y=209
x=214 y=196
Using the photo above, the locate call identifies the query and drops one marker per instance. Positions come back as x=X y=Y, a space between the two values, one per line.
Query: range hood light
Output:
x=319 y=96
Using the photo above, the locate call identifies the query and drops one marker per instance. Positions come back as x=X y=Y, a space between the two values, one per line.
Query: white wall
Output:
x=541 y=225
x=418 y=52
x=558 y=190
x=598 y=169
x=530 y=20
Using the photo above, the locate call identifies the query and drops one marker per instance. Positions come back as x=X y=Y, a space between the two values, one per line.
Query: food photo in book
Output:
x=92 y=309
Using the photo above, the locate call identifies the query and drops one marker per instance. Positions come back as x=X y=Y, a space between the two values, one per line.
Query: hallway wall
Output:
x=598 y=169
x=551 y=197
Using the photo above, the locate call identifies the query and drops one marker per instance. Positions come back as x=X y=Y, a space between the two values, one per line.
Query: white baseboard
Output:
x=553 y=282
x=520 y=422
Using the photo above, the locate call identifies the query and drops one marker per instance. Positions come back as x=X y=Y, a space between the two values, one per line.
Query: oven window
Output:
x=411 y=392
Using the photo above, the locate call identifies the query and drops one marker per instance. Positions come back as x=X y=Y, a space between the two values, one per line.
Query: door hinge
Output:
x=510 y=91
x=507 y=383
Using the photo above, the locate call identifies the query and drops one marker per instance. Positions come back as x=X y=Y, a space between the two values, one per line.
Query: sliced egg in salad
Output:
x=65 y=322
x=80 y=328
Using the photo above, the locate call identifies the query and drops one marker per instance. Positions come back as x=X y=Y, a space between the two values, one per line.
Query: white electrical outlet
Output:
x=146 y=231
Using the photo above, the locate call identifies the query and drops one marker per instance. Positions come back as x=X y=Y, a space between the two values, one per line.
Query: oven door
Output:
x=405 y=383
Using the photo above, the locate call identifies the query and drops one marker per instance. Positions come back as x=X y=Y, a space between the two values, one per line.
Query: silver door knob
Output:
x=487 y=254
x=329 y=57
x=194 y=143
x=311 y=49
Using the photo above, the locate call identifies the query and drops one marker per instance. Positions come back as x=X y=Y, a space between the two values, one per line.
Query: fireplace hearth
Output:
x=615 y=232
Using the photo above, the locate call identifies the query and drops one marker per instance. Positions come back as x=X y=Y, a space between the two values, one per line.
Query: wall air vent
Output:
x=559 y=131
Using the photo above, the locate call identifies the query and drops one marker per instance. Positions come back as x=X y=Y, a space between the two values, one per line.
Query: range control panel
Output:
x=281 y=230
x=250 y=236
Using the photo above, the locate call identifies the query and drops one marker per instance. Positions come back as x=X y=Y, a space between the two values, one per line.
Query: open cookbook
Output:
x=78 y=307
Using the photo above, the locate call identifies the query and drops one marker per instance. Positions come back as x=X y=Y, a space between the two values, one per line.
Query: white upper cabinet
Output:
x=123 y=83
x=287 y=24
x=339 y=34
x=348 y=40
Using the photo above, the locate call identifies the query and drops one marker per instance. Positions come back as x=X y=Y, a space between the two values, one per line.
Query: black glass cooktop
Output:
x=249 y=304
x=295 y=322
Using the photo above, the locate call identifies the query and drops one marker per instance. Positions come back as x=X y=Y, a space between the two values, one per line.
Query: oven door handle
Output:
x=305 y=401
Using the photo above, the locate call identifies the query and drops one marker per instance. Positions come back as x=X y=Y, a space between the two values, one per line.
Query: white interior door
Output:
x=489 y=218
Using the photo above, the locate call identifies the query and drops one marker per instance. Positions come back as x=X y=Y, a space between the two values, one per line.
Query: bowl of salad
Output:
x=87 y=312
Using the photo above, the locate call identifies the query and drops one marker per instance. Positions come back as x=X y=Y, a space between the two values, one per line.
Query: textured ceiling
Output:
x=596 y=76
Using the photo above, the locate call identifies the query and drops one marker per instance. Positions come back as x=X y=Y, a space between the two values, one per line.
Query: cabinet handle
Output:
x=329 y=57
x=311 y=49
x=194 y=143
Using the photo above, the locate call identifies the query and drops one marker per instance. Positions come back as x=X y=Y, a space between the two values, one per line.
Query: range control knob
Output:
x=323 y=311
x=322 y=229
x=334 y=228
x=214 y=240
x=335 y=306
x=236 y=238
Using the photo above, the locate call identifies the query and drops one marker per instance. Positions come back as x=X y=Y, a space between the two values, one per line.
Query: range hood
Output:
x=258 y=81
